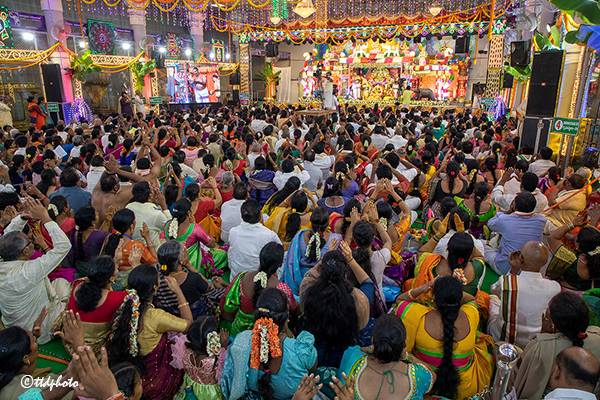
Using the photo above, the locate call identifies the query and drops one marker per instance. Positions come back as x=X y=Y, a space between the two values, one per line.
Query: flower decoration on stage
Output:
x=101 y=36
x=173 y=43
x=6 y=36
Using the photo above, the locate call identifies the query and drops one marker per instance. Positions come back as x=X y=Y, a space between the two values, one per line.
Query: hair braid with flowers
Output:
x=271 y=316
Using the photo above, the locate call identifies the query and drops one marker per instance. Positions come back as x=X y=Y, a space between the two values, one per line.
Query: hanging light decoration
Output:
x=279 y=11
x=435 y=9
x=305 y=8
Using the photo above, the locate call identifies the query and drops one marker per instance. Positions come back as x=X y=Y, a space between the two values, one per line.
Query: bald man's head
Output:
x=535 y=256
x=577 y=368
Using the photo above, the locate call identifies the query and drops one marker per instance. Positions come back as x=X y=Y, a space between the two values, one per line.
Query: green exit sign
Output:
x=53 y=107
x=156 y=100
x=565 y=126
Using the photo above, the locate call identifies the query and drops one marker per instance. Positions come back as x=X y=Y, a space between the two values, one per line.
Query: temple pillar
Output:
x=494 y=66
x=197 y=32
x=245 y=82
x=137 y=21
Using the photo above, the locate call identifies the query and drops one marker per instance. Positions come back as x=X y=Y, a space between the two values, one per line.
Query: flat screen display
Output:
x=189 y=83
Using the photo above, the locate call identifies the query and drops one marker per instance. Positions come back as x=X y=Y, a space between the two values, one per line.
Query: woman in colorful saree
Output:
x=385 y=373
x=263 y=363
x=239 y=303
x=93 y=299
x=306 y=248
x=291 y=216
x=444 y=336
x=291 y=186
x=203 y=254
x=462 y=263
x=140 y=332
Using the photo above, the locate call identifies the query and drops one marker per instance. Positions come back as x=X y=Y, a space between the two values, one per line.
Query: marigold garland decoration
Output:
x=265 y=342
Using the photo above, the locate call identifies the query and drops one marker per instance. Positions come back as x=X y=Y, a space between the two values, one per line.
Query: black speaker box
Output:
x=520 y=53
x=507 y=81
x=234 y=79
x=461 y=45
x=272 y=49
x=53 y=83
x=545 y=83
x=158 y=58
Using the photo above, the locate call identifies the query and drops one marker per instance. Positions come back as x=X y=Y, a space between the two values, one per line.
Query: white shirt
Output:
x=186 y=170
x=75 y=152
x=316 y=175
x=25 y=288
x=541 y=167
x=151 y=215
x=531 y=293
x=231 y=217
x=258 y=125
x=325 y=162
x=93 y=177
x=569 y=394
x=281 y=178
x=398 y=141
x=245 y=243
x=251 y=158
x=379 y=141
x=63 y=135
x=20 y=151
x=503 y=200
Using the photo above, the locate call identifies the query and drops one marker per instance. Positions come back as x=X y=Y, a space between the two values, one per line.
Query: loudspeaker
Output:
x=529 y=134
x=159 y=58
x=53 y=83
x=519 y=53
x=272 y=49
x=234 y=79
x=507 y=81
x=544 y=83
x=461 y=45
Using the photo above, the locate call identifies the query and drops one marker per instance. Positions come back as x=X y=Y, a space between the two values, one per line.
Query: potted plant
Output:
x=271 y=79
x=82 y=65
x=140 y=70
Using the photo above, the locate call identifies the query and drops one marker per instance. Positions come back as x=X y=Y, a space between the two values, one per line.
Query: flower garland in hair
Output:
x=383 y=222
x=54 y=209
x=173 y=230
x=262 y=278
x=213 y=343
x=265 y=342
x=459 y=274
x=316 y=239
x=134 y=321
x=595 y=252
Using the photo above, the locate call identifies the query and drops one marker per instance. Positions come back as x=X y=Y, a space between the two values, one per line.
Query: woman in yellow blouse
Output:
x=140 y=330
x=445 y=337
x=291 y=216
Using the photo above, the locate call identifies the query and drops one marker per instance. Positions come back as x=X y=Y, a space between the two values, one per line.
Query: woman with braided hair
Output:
x=264 y=362
x=239 y=303
x=306 y=249
x=385 y=373
x=480 y=209
x=444 y=336
x=204 y=256
x=139 y=332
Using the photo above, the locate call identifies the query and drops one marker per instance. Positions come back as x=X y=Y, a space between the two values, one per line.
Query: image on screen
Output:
x=189 y=83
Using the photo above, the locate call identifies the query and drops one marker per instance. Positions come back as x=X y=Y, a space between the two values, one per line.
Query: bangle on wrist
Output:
x=410 y=295
x=183 y=305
